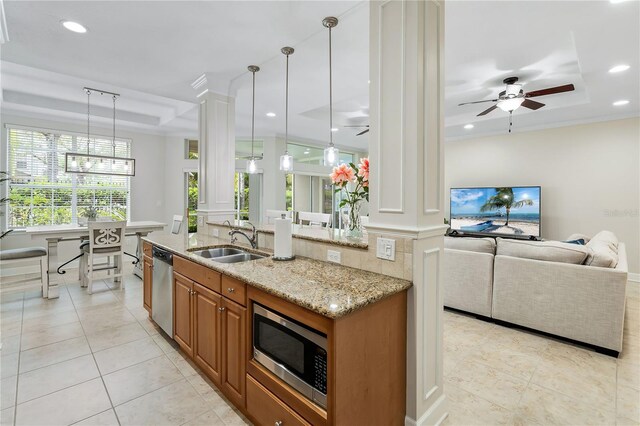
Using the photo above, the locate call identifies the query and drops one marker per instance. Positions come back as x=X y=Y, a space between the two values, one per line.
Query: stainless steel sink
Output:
x=236 y=258
x=217 y=252
x=227 y=255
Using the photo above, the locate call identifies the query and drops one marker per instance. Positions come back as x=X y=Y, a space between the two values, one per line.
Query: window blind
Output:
x=40 y=191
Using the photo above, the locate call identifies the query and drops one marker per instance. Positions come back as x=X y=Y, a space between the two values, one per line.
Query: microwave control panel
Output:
x=320 y=364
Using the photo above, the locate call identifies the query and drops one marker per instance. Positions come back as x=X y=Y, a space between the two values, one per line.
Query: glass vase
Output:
x=354 y=223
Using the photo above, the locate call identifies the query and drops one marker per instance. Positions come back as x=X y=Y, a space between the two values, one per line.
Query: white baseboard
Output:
x=435 y=415
x=633 y=277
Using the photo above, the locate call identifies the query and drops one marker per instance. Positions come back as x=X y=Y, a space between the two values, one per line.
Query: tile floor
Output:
x=496 y=375
x=98 y=360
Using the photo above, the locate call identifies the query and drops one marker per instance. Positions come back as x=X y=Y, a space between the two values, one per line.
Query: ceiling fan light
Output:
x=508 y=105
x=513 y=90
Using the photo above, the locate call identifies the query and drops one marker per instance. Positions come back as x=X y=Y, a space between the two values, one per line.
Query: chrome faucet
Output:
x=253 y=240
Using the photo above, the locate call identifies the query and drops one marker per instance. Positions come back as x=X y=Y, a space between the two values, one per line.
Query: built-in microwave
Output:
x=292 y=351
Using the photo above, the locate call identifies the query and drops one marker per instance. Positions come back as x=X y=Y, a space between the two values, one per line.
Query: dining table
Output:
x=54 y=234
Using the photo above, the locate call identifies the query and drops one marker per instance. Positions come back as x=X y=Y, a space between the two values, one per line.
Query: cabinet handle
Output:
x=278 y=423
x=221 y=309
x=231 y=289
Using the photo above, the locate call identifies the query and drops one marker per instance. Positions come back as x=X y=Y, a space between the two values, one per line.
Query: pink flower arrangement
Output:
x=342 y=175
x=345 y=174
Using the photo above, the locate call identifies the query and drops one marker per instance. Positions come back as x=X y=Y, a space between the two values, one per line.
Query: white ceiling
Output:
x=546 y=44
x=151 y=52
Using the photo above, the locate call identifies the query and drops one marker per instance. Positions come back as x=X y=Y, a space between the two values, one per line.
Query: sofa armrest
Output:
x=467 y=280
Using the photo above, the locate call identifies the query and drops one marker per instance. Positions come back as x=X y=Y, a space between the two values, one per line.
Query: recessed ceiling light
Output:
x=468 y=126
x=74 y=26
x=619 y=68
x=307 y=152
x=616 y=1
x=335 y=129
x=621 y=102
x=271 y=114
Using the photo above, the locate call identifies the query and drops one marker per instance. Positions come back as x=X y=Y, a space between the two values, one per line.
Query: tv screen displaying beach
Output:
x=508 y=210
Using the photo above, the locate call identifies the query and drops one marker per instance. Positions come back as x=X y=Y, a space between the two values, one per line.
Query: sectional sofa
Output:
x=565 y=289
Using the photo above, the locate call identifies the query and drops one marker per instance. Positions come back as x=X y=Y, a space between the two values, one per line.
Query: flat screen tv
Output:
x=513 y=211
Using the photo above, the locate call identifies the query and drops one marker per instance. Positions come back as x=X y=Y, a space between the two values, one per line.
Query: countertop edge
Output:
x=267 y=289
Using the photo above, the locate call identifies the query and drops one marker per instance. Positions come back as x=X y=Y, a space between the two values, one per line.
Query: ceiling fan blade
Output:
x=528 y=103
x=487 y=111
x=478 y=102
x=550 y=91
x=363 y=132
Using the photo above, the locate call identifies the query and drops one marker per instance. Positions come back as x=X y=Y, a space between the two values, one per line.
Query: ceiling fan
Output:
x=364 y=126
x=513 y=97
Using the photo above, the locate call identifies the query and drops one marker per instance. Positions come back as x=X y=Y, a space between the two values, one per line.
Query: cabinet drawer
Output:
x=234 y=290
x=198 y=273
x=146 y=248
x=266 y=409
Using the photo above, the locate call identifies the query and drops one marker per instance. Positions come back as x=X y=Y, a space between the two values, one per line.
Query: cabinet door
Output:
x=207 y=331
x=147 y=272
x=233 y=351
x=182 y=312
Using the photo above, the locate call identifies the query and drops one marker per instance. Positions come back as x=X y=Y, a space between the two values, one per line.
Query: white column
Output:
x=216 y=157
x=406 y=70
x=274 y=182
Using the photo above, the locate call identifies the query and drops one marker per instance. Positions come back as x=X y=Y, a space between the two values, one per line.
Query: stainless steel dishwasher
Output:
x=162 y=289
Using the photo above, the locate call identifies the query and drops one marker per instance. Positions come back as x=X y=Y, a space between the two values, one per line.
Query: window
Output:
x=40 y=191
x=242 y=196
x=191 y=149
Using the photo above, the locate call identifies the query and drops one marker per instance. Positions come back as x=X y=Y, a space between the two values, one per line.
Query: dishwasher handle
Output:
x=162 y=255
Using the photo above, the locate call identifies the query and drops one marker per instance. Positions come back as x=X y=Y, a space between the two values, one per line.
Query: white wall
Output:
x=588 y=174
x=147 y=186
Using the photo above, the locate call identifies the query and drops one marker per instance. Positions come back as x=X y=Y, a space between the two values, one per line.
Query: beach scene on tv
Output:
x=509 y=210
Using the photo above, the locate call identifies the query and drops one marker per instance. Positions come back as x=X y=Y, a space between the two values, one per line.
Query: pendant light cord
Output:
x=114 y=126
x=88 y=118
x=330 y=95
x=286 y=111
x=253 y=112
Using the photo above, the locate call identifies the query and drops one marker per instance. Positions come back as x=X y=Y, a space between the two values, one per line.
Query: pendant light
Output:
x=331 y=153
x=252 y=165
x=81 y=163
x=286 y=160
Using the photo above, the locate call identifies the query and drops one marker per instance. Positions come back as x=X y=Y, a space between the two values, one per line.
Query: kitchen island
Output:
x=252 y=327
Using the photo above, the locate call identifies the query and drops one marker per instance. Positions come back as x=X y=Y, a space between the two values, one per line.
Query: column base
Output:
x=435 y=415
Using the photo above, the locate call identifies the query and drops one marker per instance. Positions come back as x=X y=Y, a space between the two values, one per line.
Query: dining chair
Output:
x=314 y=219
x=271 y=215
x=20 y=256
x=105 y=239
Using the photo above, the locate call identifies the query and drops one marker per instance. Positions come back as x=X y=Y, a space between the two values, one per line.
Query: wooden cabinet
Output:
x=147 y=274
x=211 y=328
x=234 y=290
x=207 y=342
x=234 y=351
x=183 y=312
x=267 y=409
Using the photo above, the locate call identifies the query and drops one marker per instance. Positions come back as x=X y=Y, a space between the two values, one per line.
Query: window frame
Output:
x=74 y=186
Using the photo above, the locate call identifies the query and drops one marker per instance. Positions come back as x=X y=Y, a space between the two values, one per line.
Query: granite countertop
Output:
x=305 y=232
x=329 y=289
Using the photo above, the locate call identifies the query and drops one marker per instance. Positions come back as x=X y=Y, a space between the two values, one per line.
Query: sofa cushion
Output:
x=551 y=251
x=480 y=245
x=601 y=254
x=608 y=238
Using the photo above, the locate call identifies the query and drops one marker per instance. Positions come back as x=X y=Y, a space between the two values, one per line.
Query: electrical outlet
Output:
x=200 y=220
x=386 y=248
x=334 y=256
x=215 y=232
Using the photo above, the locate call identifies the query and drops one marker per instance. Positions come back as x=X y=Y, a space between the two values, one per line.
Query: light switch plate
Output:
x=201 y=221
x=386 y=248
x=334 y=256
